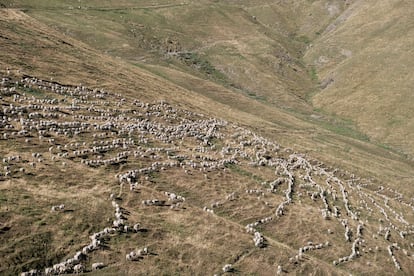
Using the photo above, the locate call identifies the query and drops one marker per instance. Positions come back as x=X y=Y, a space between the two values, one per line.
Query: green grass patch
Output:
x=304 y=39
x=242 y=172
x=3 y=197
x=344 y=128
x=33 y=92
x=30 y=212
x=202 y=65
x=313 y=74
x=255 y=96
x=386 y=147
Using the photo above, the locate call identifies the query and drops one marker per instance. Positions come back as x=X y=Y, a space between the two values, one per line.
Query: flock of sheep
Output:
x=103 y=129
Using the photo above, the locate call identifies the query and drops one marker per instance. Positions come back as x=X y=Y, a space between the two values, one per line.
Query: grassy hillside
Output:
x=282 y=54
x=299 y=56
x=234 y=42
x=170 y=105
x=363 y=59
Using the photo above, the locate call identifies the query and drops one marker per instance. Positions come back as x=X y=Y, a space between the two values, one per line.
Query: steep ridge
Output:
x=116 y=132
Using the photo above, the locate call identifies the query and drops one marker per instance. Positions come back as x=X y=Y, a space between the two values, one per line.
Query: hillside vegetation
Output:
x=364 y=58
x=346 y=59
x=182 y=138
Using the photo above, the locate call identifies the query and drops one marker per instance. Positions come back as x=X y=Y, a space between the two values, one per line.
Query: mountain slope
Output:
x=274 y=52
x=364 y=59
x=79 y=125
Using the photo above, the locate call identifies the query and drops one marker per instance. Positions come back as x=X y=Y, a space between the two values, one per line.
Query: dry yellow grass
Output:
x=367 y=52
x=188 y=241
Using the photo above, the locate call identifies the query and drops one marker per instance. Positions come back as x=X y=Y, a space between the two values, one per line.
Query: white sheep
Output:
x=227 y=268
x=96 y=266
x=79 y=268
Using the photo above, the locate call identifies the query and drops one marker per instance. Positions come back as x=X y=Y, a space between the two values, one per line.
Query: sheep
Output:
x=215 y=204
x=387 y=235
x=32 y=272
x=173 y=197
x=227 y=268
x=79 y=256
x=65 y=117
x=49 y=271
x=155 y=202
x=132 y=256
x=258 y=239
x=60 y=207
x=279 y=270
x=208 y=210
x=232 y=196
x=137 y=227
x=79 y=268
x=143 y=251
x=96 y=266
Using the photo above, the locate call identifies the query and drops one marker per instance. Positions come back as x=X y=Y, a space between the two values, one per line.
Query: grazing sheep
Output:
x=123 y=131
x=132 y=256
x=208 y=210
x=79 y=268
x=227 y=268
x=32 y=272
x=60 y=207
x=96 y=266
x=137 y=227
x=258 y=239
x=279 y=270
